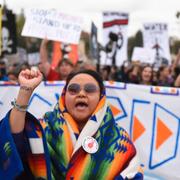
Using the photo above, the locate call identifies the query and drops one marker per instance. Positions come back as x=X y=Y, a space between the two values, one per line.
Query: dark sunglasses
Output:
x=76 y=88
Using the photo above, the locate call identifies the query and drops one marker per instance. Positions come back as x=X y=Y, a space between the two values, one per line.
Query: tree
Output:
x=134 y=41
x=175 y=47
x=20 y=20
x=29 y=43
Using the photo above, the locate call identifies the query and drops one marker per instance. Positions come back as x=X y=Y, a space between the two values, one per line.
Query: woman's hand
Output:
x=30 y=78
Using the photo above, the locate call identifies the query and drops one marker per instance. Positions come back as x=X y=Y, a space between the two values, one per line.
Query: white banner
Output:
x=53 y=25
x=115 y=38
x=155 y=36
x=150 y=114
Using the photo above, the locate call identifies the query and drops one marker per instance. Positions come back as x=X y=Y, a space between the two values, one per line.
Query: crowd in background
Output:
x=130 y=71
x=146 y=74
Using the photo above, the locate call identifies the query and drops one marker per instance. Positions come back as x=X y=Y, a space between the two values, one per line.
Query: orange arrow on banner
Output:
x=163 y=133
x=115 y=110
x=138 y=129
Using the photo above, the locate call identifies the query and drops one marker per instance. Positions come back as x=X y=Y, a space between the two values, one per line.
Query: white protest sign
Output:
x=144 y=55
x=115 y=26
x=53 y=25
x=155 y=36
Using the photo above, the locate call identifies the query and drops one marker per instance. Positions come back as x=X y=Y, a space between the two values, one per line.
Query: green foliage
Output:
x=20 y=20
x=30 y=44
x=134 y=41
x=175 y=47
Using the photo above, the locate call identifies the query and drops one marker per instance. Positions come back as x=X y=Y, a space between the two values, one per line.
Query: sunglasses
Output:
x=76 y=88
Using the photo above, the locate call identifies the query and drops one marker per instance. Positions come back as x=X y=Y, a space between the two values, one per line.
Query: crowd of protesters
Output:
x=146 y=74
x=130 y=71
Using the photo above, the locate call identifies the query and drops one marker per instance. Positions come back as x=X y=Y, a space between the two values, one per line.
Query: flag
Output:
x=9 y=38
x=115 y=38
x=94 y=50
x=64 y=50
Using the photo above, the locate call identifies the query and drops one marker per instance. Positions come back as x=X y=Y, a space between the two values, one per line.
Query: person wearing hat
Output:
x=79 y=139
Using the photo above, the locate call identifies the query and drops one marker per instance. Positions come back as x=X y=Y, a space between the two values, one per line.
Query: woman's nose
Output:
x=82 y=92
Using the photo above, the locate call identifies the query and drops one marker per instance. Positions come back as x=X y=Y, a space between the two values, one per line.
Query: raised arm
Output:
x=44 y=57
x=176 y=61
x=28 y=80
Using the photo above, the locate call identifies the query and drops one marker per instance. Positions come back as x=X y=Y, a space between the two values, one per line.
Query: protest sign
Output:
x=155 y=36
x=143 y=55
x=114 y=51
x=53 y=25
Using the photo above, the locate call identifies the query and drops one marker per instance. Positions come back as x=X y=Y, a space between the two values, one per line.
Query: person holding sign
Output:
x=61 y=72
x=79 y=139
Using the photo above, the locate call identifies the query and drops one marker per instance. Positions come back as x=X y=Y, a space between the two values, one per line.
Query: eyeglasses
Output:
x=75 y=88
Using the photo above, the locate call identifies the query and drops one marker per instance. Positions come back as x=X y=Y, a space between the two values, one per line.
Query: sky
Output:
x=140 y=11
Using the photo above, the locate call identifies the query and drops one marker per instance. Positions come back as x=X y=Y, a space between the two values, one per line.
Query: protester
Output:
x=146 y=76
x=134 y=74
x=122 y=73
x=105 y=72
x=164 y=77
x=113 y=74
x=13 y=76
x=78 y=140
x=65 y=68
x=176 y=70
x=61 y=72
x=155 y=76
x=175 y=67
x=14 y=70
x=177 y=81
x=3 y=75
x=88 y=64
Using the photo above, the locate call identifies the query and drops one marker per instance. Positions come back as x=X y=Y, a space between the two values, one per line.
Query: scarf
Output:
x=68 y=158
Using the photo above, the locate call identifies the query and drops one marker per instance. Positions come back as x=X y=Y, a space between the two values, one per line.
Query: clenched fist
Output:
x=30 y=78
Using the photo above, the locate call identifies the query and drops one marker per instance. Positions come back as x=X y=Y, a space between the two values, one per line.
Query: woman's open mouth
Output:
x=81 y=105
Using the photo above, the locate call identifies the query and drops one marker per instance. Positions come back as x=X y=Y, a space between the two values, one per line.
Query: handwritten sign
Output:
x=53 y=25
x=144 y=55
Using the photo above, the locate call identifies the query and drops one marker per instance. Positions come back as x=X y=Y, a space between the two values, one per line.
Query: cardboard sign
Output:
x=53 y=25
x=144 y=55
